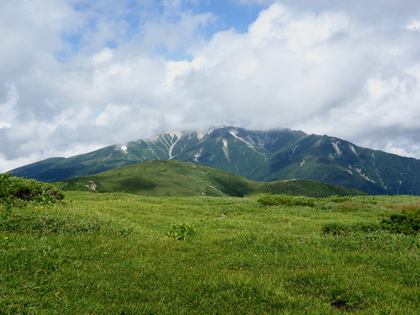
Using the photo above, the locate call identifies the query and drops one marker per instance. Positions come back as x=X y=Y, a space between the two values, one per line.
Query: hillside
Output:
x=174 y=178
x=257 y=155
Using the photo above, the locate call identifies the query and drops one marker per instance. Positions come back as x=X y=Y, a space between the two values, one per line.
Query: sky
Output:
x=77 y=75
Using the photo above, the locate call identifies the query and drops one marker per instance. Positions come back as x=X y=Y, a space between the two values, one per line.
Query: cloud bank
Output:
x=78 y=75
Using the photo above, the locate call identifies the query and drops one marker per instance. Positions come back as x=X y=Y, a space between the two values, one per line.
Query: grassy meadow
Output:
x=180 y=179
x=116 y=253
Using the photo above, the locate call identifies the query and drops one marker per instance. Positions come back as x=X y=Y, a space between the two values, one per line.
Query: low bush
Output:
x=403 y=223
x=14 y=189
x=399 y=223
x=181 y=231
x=336 y=229
x=285 y=200
x=340 y=229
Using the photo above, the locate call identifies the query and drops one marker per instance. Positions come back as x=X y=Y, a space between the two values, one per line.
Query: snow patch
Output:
x=174 y=141
x=124 y=149
x=358 y=170
x=302 y=163
x=336 y=148
x=169 y=141
x=225 y=148
x=249 y=144
x=200 y=135
x=197 y=155
x=263 y=141
x=352 y=149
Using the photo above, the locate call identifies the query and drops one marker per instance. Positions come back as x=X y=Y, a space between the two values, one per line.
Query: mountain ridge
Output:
x=258 y=155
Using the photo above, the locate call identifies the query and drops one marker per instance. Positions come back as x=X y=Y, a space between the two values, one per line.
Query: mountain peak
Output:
x=259 y=155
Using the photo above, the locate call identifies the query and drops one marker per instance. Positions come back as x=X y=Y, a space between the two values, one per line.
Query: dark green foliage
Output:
x=405 y=223
x=181 y=232
x=15 y=188
x=336 y=229
x=400 y=223
x=308 y=188
x=285 y=200
x=342 y=229
x=233 y=185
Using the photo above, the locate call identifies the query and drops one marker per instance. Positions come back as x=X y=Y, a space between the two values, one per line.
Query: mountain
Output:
x=258 y=155
x=174 y=178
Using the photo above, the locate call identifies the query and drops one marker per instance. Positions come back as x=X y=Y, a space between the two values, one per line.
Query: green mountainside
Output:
x=174 y=178
x=257 y=155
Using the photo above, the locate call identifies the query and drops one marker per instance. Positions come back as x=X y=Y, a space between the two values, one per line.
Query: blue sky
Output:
x=135 y=14
x=77 y=75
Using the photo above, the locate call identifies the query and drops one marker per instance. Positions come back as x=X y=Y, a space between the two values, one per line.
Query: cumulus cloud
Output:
x=78 y=77
x=413 y=25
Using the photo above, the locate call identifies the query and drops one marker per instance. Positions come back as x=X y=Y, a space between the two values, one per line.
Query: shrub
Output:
x=400 y=223
x=285 y=200
x=181 y=231
x=403 y=223
x=340 y=229
x=15 y=188
x=336 y=229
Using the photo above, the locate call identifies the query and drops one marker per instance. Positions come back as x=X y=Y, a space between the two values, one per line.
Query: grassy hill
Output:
x=174 y=178
x=116 y=253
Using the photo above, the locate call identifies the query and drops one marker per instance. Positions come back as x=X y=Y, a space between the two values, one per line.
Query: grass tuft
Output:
x=181 y=232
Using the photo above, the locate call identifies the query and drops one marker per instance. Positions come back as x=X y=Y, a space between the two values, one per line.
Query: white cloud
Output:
x=7 y=112
x=252 y=2
x=104 y=56
x=319 y=70
x=414 y=26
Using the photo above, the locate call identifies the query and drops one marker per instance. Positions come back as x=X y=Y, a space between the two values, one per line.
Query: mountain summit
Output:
x=258 y=155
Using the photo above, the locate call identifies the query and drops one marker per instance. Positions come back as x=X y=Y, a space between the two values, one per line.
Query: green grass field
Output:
x=126 y=254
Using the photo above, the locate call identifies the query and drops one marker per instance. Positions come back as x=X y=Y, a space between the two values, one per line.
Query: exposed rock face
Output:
x=91 y=185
